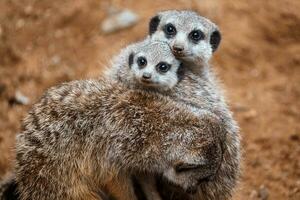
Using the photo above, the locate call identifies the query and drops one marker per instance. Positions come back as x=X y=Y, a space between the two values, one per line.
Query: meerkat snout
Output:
x=178 y=49
x=146 y=76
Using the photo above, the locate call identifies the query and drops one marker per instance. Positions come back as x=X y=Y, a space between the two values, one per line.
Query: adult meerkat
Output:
x=193 y=39
x=82 y=135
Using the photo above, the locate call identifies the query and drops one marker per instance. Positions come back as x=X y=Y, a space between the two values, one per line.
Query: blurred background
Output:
x=44 y=43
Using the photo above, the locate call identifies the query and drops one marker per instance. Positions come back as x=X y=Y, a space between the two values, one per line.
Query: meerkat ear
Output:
x=130 y=59
x=215 y=40
x=153 y=24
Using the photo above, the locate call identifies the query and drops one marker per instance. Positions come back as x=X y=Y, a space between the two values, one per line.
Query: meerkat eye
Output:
x=142 y=62
x=196 y=35
x=170 y=30
x=163 y=67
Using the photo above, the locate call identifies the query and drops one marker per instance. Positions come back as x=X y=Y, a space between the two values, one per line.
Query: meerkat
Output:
x=193 y=40
x=150 y=69
x=83 y=135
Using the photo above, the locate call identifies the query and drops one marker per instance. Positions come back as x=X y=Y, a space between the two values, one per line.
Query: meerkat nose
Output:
x=146 y=75
x=178 y=48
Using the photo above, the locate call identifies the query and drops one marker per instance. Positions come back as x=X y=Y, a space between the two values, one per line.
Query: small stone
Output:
x=55 y=60
x=263 y=193
x=21 y=98
x=119 y=20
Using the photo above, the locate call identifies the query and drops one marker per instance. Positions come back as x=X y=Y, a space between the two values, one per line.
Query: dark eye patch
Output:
x=170 y=30
x=163 y=67
x=142 y=62
x=196 y=35
x=130 y=59
x=153 y=24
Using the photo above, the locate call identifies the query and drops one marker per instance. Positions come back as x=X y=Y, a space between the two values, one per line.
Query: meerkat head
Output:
x=154 y=66
x=190 y=36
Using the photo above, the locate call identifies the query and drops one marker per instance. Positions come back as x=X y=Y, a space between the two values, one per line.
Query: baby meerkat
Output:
x=83 y=135
x=152 y=69
x=193 y=39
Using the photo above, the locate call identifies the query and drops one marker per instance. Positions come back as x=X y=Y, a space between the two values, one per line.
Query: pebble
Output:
x=21 y=98
x=118 y=21
x=55 y=60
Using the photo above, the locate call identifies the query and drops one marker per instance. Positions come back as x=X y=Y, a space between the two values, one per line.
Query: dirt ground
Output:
x=44 y=43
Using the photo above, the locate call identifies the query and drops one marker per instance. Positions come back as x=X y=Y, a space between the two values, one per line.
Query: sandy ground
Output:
x=43 y=43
